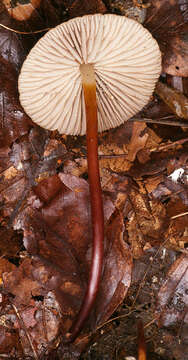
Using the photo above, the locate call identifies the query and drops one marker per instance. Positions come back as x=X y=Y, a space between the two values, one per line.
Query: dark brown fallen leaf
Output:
x=60 y=234
x=11 y=242
x=14 y=123
x=167 y=21
x=21 y=10
x=5 y=266
x=32 y=309
x=11 y=48
x=9 y=343
x=31 y=159
x=164 y=19
x=176 y=101
x=175 y=60
x=21 y=283
x=117 y=272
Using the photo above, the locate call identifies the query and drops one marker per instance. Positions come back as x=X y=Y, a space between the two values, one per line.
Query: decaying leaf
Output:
x=11 y=50
x=167 y=20
x=173 y=297
x=21 y=283
x=13 y=120
x=176 y=101
x=21 y=10
x=117 y=271
x=60 y=235
x=118 y=155
x=34 y=311
x=147 y=222
x=138 y=140
x=176 y=58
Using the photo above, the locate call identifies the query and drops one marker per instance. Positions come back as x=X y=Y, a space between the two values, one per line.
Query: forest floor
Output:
x=45 y=226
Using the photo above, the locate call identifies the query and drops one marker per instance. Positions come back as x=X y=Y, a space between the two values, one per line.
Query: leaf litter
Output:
x=45 y=215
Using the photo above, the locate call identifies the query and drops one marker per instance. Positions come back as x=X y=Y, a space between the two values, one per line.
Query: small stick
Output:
x=89 y=87
x=24 y=32
x=23 y=327
x=161 y=121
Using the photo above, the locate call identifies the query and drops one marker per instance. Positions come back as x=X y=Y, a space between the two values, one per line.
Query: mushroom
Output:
x=90 y=74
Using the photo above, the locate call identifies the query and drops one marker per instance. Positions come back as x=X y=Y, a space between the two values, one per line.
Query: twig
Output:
x=179 y=215
x=25 y=32
x=162 y=121
x=166 y=146
x=110 y=321
x=25 y=330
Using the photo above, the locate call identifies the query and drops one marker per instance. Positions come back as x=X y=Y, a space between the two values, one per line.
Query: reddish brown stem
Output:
x=141 y=342
x=89 y=88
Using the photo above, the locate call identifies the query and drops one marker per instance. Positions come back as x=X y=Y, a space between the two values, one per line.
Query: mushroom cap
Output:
x=127 y=64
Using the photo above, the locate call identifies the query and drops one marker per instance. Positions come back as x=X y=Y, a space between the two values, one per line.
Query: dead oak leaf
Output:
x=21 y=283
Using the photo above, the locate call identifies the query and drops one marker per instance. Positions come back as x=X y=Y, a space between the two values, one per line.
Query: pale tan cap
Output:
x=127 y=64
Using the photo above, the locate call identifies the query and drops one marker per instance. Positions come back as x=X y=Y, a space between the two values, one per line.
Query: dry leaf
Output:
x=173 y=297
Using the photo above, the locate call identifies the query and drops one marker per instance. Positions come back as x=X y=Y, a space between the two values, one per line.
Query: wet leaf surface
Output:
x=45 y=227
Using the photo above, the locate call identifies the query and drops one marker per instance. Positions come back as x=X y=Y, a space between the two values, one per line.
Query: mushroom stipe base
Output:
x=89 y=88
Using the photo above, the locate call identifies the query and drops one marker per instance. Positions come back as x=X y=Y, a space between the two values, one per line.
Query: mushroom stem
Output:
x=89 y=87
x=141 y=342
